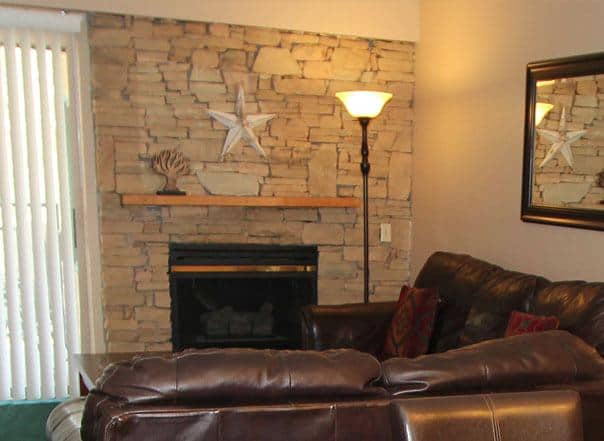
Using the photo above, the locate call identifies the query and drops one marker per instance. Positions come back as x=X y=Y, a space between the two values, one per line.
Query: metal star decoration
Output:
x=240 y=125
x=561 y=140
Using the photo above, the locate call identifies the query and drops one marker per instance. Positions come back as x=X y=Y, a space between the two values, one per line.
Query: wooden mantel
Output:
x=240 y=201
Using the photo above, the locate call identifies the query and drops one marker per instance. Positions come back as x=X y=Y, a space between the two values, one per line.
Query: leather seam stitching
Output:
x=494 y=421
x=219 y=431
x=335 y=422
x=575 y=364
x=568 y=351
x=176 y=379
x=289 y=373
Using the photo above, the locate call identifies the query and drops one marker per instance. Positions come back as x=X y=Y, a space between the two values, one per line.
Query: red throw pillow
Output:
x=411 y=327
x=524 y=323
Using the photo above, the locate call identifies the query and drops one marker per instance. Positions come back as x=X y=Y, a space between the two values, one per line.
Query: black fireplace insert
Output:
x=240 y=295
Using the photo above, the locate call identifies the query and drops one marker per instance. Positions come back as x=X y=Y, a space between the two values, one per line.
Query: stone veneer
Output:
x=153 y=80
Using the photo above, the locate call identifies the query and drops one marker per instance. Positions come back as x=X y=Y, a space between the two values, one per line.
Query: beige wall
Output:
x=469 y=135
x=386 y=19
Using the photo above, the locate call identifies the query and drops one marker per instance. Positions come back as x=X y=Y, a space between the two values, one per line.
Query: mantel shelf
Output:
x=240 y=201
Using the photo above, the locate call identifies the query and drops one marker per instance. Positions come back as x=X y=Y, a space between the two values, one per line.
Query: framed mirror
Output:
x=563 y=171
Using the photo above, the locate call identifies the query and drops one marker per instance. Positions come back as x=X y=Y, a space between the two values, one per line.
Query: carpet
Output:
x=24 y=420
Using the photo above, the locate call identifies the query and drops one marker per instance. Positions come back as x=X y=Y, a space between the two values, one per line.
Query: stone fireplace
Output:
x=240 y=295
x=153 y=81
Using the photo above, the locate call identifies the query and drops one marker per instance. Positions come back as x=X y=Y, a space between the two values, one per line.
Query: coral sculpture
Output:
x=171 y=164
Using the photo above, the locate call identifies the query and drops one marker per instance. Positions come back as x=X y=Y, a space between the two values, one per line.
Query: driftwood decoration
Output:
x=171 y=164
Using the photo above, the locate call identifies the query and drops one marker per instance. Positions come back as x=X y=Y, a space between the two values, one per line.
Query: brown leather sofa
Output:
x=338 y=395
x=536 y=387
x=471 y=287
x=467 y=286
x=528 y=387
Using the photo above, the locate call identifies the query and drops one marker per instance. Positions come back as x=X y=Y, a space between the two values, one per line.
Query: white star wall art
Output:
x=561 y=140
x=240 y=125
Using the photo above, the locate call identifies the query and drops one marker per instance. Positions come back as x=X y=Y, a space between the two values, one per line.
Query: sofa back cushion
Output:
x=520 y=362
x=463 y=282
x=578 y=305
x=241 y=375
x=503 y=293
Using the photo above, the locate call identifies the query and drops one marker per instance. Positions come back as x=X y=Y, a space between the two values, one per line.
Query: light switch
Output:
x=385 y=233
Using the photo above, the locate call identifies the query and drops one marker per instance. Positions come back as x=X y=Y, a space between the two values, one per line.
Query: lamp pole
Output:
x=364 y=105
x=365 y=167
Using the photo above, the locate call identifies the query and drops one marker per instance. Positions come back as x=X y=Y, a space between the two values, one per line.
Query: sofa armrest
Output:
x=359 y=326
x=64 y=421
x=538 y=416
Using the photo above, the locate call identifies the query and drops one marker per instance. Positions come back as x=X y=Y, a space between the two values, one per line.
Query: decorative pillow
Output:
x=524 y=323
x=409 y=332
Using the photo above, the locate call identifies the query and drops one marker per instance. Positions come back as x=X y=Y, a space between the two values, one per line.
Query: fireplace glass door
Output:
x=228 y=298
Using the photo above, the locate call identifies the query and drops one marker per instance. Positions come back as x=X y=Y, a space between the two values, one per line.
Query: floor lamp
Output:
x=364 y=105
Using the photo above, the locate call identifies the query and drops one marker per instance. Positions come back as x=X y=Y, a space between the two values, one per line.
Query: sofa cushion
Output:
x=409 y=332
x=504 y=292
x=520 y=362
x=592 y=397
x=535 y=416
x=578 y=305
x=240 y=375
x=524 y=323
x=459 y=279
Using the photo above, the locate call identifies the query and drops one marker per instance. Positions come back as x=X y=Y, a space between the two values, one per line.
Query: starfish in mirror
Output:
x=240 y=125
x=561 y=140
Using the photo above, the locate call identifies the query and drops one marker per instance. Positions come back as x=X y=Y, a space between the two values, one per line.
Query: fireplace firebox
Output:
x=240 y=295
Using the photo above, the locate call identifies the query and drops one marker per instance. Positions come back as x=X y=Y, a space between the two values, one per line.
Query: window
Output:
x=40 y=292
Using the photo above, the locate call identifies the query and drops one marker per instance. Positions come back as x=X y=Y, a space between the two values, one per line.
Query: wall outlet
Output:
x=385 y=233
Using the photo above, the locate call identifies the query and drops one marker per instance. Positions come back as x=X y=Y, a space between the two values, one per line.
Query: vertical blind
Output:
x=39 y=319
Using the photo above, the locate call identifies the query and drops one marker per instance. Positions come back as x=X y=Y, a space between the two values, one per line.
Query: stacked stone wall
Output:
x=154 y=79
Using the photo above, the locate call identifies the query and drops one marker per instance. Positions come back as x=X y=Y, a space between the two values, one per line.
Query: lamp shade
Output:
x=364 y=103
x=542 y=109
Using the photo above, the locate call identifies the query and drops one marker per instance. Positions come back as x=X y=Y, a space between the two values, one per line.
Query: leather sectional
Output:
x=344 y=395
x=466 y=285
x=547 y=386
